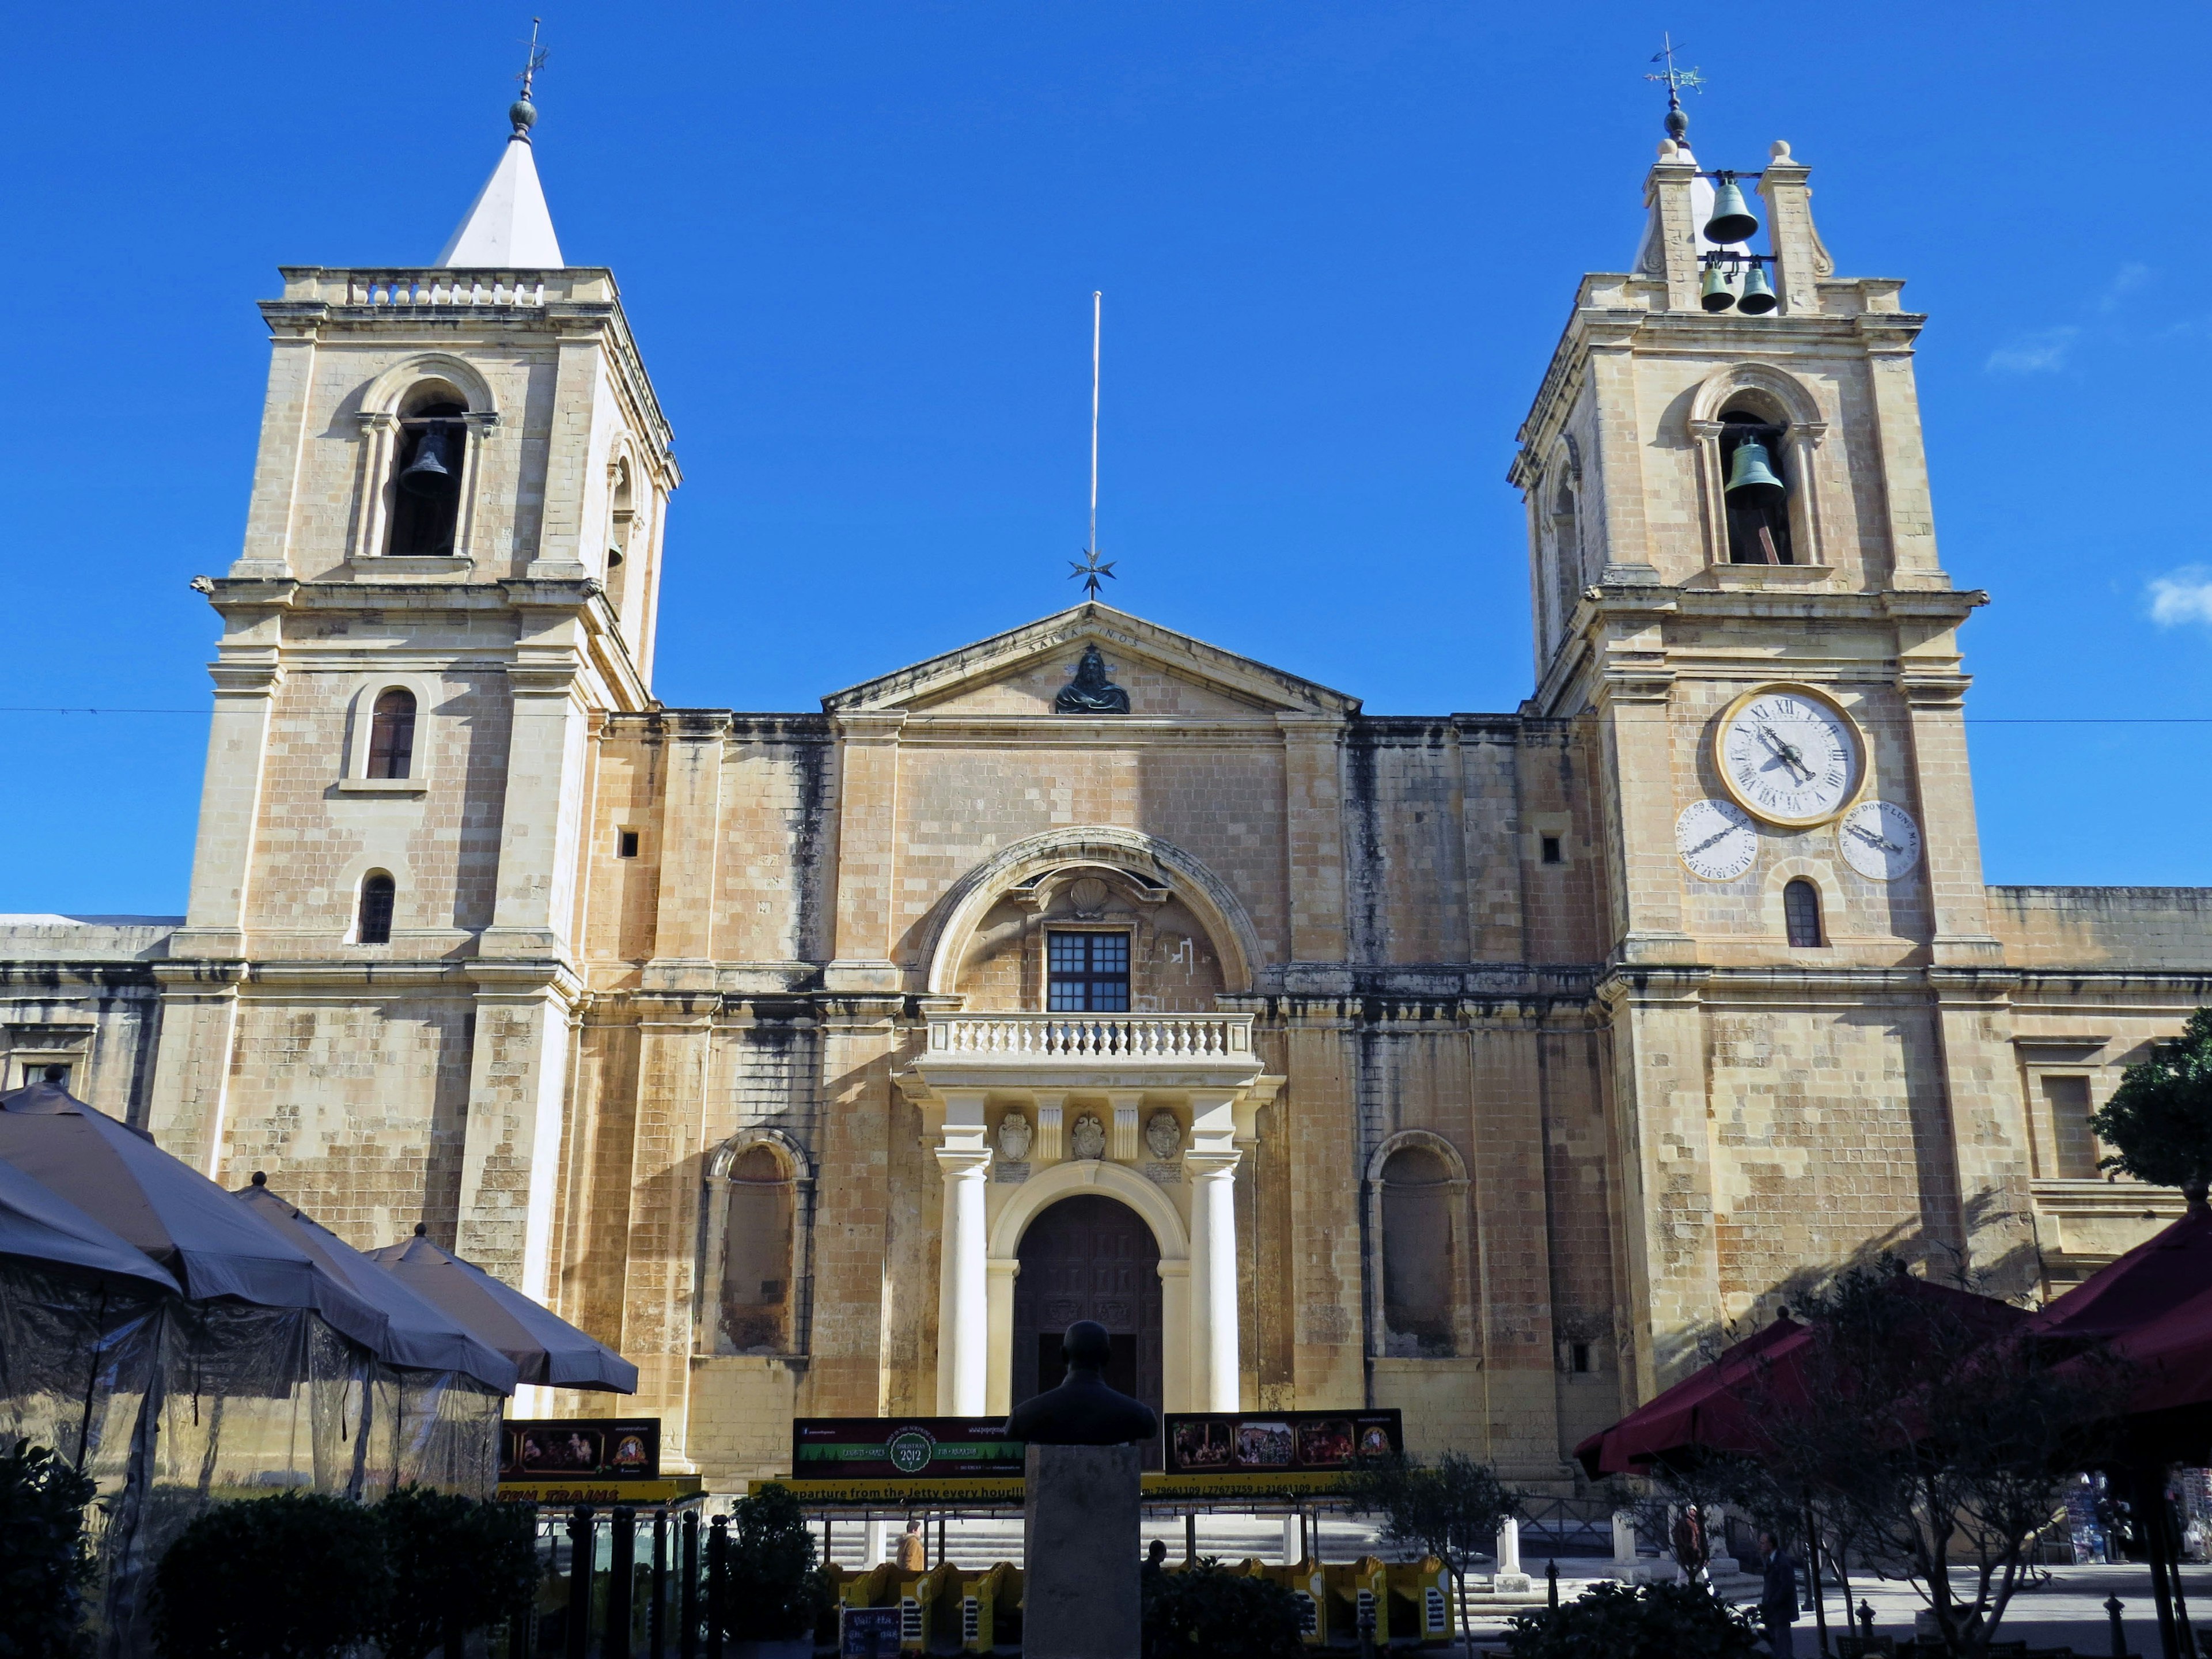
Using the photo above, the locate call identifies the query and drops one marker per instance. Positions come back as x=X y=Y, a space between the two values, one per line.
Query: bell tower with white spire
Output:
x=449 y=580
x=1740 y=616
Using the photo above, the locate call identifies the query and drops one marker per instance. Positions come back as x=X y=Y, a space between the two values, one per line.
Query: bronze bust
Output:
x=1083 y=1411
x=1090 y=692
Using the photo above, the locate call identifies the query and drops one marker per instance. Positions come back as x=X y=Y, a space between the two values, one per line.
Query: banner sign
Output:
x=581 y=1450
x=903 y=1449
x=1246 y=1443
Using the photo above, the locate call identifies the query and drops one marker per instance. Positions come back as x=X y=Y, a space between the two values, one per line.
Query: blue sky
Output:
x=1337 y=242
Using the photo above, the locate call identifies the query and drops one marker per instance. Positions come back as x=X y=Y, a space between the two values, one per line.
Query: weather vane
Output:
x=1676 y=81
x=534 y=62
x=1087 y=569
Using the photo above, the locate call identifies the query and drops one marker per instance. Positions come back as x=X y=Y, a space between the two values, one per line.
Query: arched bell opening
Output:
x=1755 y=490
x=1089 y=1256
x=430 y=461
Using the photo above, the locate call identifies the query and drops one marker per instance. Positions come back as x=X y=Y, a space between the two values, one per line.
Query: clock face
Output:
x=1717 y=839
x=1788 y=756
x=1879 y=840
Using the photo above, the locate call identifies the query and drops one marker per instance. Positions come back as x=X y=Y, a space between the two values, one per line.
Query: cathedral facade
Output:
x=828 y=1063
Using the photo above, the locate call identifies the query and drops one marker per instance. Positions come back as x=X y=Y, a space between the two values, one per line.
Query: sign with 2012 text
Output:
x=903 y=1449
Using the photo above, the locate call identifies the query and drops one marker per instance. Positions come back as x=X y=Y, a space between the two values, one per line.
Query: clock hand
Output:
x=1787 y=753
x=1872 y=838
x=1712 y=840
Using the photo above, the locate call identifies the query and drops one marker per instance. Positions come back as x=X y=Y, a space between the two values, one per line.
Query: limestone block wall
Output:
x=83 y=992
x=2134 y=928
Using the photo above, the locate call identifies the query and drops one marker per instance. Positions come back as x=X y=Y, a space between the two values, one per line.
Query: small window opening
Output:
x=44 y=1071
x=1756 y=494
x=1800 y=913
x=1578 y=1358
x=377 y=893
x=625 y=843
x=1552 y=853
x=425 y=504
x=1088 y=973
x=622 y=516
x=392 y=735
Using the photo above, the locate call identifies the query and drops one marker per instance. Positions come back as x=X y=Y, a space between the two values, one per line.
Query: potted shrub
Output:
x=1647 y=1621
x=776 y=1593
x=458 y=1565
x=44 y=1564
x=298 y=1576
x=1206 y=1612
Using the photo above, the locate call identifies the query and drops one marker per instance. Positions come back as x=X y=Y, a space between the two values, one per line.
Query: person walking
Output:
x=913 y=1553
x=1777 y=1598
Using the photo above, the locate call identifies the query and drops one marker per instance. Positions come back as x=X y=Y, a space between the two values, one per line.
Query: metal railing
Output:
x=624 y=1584
x=1092 y=1036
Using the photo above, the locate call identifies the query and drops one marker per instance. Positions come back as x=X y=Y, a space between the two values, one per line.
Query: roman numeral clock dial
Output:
x=1788 y=756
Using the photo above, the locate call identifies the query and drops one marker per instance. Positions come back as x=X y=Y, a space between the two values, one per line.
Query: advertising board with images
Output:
x=1279 y=1442
x=903 y=1449
x=581 y=1448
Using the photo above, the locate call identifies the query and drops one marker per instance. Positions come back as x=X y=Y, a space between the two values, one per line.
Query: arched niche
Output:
x=1778 y=399
x=1430 y=1236
x=386 y=405
x=1141 y=871
x=740 y=1196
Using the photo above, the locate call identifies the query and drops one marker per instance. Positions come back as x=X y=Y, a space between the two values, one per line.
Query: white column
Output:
x=1213 y=1358
x=963 y=1297
x=1624 y=1545
x=1509 y=1579
x=1291 y=1539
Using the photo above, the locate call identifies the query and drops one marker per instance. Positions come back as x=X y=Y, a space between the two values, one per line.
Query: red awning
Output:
x=2152 y=1281
x=1718 y=1409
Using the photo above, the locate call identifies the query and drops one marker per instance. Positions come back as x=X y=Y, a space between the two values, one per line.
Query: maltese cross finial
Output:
x=1091 y=572
x=1678 y=123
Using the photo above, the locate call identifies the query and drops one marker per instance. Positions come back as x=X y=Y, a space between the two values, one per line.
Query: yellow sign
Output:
x=666 y=1490
x=952 y=1493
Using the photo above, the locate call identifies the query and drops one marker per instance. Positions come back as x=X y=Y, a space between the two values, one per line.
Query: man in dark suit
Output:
x=1777 y=1598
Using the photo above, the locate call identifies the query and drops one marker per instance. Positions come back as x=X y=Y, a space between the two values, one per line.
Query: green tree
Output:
x=1207 y=1612
x=44 y=1563
x=775 y=1591
x=299 y=1576
x=1451 y=1508
x=458 y=1565
x=1651 y=1621
x=2159 y=1120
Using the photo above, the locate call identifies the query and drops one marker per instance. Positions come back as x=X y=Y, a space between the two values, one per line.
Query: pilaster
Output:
x=846 y=1374
x=1313 y=828
x=1326 y=1288
x=511 y=1151
x=867 y=852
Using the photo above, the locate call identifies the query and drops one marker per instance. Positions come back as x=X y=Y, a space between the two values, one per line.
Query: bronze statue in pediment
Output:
x=1090 y=692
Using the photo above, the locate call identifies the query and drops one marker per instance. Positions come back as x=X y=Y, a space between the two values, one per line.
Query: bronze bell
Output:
x=1751 y=481
x=1758 y=297
x=1732 y=218
x=433 y=470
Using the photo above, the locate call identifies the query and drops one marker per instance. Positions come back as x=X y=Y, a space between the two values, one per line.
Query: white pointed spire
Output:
x=508 y=226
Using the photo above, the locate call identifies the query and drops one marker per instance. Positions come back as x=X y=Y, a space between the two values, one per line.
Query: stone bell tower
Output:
x=449 y=579
x=1807 y=1009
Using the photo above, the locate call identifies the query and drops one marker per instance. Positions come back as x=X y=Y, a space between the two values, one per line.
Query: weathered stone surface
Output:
x=1081 y=1587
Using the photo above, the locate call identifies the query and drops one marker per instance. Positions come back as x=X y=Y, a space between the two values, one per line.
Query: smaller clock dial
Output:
x=1717 y=839
x=1879 y=840
x=1789 y=756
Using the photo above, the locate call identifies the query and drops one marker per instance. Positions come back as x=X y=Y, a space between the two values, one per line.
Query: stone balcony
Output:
x=1062 y=1052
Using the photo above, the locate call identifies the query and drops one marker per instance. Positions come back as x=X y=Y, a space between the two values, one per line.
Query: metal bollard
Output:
x=582 y=1549
x=687 y=1593
x=1866 y=1622
x=622 y=1581
x=2113 y=1606
x=656 y=1616
x=1552 y=1582
x=717 y=1574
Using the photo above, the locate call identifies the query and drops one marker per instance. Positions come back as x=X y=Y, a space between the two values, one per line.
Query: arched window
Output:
x=391 y=734
x=377 y=893
x=1800 y=913
x=1419 y=1254
x=426 y=494
x=756 y=1254
x=1566 y=552
x=621 y=515
x=1755 y=492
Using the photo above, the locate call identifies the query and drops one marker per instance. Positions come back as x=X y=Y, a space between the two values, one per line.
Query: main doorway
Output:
x=1088 y=1257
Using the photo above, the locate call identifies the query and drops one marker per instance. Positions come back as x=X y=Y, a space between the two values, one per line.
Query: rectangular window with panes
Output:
x=1088 y=973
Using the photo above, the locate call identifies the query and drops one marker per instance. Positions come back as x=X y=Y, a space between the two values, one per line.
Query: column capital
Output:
x=1201 y=1165
x=959 y=1163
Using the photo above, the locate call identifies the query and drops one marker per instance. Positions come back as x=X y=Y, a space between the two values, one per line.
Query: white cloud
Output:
x=2182 y=596
x=2033 y=353
x=2125 y=281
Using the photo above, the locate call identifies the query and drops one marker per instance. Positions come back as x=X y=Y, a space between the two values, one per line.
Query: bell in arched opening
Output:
x=435 y=471
x=426 y=494
x=1751 y=480
x=1755 y=495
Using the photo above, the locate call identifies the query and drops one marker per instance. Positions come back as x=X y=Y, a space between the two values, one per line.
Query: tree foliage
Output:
x=1451 y=1508
x=2159 y=1120
x=775 y=1591
x=44 y=1563
x=458 y=1565
x=1206 y=1612
x=299 y=1576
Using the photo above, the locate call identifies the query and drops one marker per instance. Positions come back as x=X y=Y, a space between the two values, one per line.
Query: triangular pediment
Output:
x=1168 y=675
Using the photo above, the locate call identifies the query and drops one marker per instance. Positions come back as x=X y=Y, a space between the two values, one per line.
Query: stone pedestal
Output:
x=1509 y=1579
x=1081 y=1587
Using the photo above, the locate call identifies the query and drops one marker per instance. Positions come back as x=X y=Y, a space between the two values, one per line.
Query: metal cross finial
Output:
x=535 y=62
x=1089 y=573
x=1676 y=80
